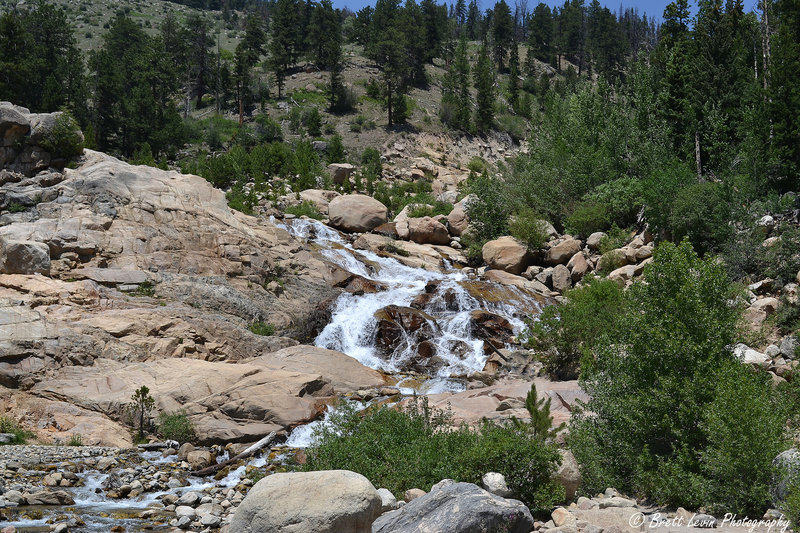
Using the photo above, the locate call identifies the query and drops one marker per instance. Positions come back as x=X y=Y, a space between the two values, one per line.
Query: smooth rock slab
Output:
x=457 y=508
x=330 y=501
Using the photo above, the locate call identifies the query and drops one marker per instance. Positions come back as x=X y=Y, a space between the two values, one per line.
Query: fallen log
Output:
x=244 y=455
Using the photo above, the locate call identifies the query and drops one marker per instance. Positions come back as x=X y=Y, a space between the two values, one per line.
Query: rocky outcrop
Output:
x=356 y=213
x=457 y=508
x=424 y=230
x=24 y=257
x=335 y=501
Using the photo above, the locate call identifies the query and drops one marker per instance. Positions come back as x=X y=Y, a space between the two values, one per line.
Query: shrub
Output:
x=701 y=213
x=7 y=425
x=335 y=152
x=416 y=446
x=672 y=415
x=487 y=213
x=65 y=139
x=313 y=122
x=307 y=209
x=76 y=439
x=268 y=130
x=514 y=125
x=566 y=333
x=526 y=226
x=438 y=208
x=175 y=425
x=264 y=329
x=587 y=218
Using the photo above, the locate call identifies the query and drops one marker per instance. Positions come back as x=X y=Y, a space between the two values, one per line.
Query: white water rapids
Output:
x=353 y=325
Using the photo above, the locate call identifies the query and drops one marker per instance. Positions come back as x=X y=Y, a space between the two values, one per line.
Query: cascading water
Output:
x=353 y=327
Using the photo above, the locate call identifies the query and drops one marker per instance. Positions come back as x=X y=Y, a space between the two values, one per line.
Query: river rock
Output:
x=495 y=483
x=388 y=501
x=561 y=278
x=356 y=213
x=58 y=497
x=426 y=230
x=334 y=501
x=457 y=221
x=562 y=252
x=456 y=508
x=506 y=253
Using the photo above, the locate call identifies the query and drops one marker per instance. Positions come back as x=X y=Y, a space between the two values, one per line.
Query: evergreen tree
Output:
x=387 y=48
x=199 y=41
x=540 y=39
x=325 y=35
x=784 y=93
x=513 y=78
x=16 y=65
x=284 y=45
x=435 y=22
x=502 y=32
x=473 y=20
x=460 y=13
x=484 y=84
x=456 y=100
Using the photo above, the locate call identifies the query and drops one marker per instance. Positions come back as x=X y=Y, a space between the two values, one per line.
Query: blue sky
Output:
x=650 y=7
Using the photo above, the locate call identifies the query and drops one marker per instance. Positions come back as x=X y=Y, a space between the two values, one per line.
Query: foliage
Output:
x=701 y=213
x=175 y=425
x=306 y=208
x=65 y=139
x=527 y=227
x=417 y=446
x=76 y=439
x=487 y=212
x=21 y=436
x=335 y=152
x=566 y=334
x=262 y=328
x=438 y=208
x=140 y=407
x=667 y=418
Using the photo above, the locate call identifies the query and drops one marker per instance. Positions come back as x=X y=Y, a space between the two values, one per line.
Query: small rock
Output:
x=412 y=494
x=495 y=483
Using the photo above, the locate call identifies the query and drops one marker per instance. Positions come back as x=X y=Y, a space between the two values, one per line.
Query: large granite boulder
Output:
x=332 y=501
x=356 y=213
x=24 y=257
x=506 y=253
x=456 y=508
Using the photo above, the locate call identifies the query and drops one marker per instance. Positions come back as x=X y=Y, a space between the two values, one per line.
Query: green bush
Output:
x=7 y=425
x=76 y=439
x=262 y=328
x=175 y=425
x=526 y=226
x=335 y=152
x=587 y=218
x=313 y=122
x=65 y=139
x=488 y=213
x=307 y=209
x=416 y=446
x=566 y=334
x=673 y=416
x=438 y=208
x=701 y=212
x=268 y=130
x=514 y=125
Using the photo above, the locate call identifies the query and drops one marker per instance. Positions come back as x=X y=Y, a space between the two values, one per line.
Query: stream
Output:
x=435 y=355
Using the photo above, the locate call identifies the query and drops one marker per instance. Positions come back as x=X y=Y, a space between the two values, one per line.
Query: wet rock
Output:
x=58 y=497
x=491 y=327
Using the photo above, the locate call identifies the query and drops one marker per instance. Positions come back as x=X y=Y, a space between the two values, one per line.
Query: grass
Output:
x=146 y=289
x=305 y=208
x=265 y=329
x=76 y=439
x=21 y=436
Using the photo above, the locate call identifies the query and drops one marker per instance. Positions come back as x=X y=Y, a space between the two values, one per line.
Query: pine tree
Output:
x=541 y=419
x=502 y=32
x=540 y=39
x=386 y=48
x=461 y=13
x=784 y=93
x=513 y=78
x=285 y=36
x=199 y=41
x=325 y=35
x=456 y=100
x=484 y=84
x=473 y=20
